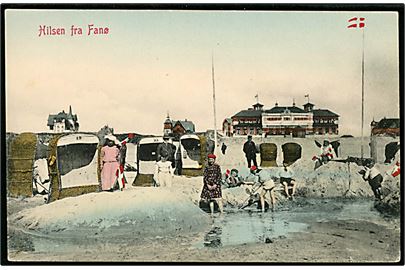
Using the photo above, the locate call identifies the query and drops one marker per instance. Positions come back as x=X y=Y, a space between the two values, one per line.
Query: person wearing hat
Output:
x=249 y=148
x=166 y=149
x=109 y=163
x=286 y=179
x=262 y=183
x=212 y=191
x=233 y=180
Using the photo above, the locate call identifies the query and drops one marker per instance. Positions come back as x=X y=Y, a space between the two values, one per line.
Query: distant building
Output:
x=386 y=126
x=248 y=121
x=287 y=120
x=182 y=127
x=324 y=121
x=282 y=120
x=177 y=128
x=63 y=122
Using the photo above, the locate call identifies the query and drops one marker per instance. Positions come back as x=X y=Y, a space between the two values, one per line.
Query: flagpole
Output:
x=213 y=103
x=362 y=94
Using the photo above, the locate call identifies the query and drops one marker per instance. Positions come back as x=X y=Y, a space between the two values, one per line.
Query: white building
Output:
x=292 y=120
x=63 y=122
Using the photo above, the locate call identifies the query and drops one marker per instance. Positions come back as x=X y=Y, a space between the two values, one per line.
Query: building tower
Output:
x=167 y=125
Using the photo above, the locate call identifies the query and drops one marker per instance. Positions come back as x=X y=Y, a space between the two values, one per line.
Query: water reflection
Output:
x=213 y=237
x=248 y=227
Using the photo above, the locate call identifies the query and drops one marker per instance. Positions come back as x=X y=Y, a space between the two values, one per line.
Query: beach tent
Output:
x=292 y=152
x=146 y=160
x=190 y=149
x=268 y=155
x=194 y=150
x=20 y=162
x=73 y=165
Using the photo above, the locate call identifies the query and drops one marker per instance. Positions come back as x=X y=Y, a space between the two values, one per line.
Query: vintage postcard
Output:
x=232 y=134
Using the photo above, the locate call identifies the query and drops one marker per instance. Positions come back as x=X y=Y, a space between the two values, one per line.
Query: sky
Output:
x=157 y=62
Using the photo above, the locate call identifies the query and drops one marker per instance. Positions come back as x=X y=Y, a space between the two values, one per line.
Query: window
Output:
x=274 y=119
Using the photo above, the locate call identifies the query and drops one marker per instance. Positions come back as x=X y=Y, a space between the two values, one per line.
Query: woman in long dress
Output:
x=212 y=191
x=110 y=165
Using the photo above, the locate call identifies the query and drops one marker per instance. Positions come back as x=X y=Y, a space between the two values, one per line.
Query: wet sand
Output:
x=343 y=240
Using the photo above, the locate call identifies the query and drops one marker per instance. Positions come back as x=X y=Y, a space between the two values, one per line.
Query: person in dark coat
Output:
x=223 y=148
x=249 y=148
x=212 y=191
x=166 y=149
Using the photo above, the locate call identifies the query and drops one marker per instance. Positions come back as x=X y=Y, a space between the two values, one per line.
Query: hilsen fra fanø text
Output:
x=90 y=30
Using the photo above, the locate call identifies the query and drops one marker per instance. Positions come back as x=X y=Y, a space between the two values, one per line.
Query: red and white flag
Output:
x=356 y=22
x=396 y=170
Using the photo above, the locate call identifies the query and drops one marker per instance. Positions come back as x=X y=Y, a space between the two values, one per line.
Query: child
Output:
x=374 y=178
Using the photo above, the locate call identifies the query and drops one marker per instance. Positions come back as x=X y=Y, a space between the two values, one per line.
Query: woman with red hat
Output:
x=211 y=191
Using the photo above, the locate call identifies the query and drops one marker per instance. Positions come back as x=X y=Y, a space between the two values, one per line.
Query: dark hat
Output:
x=249 y=136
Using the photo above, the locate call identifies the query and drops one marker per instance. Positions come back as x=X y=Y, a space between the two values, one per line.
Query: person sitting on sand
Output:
x=164 y=172
x=286 y=175
x=327 y=154
x=374 y=178
x=233 y=180
x=212 y=191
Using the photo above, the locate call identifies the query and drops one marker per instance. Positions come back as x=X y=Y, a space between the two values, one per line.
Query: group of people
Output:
x=165 y=163
x=113 y=161
x=261 y=182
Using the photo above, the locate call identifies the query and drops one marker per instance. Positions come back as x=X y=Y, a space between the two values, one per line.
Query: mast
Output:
x=362 y=95
x=213 y=103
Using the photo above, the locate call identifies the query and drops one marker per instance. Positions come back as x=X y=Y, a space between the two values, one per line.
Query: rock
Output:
x=268 y=240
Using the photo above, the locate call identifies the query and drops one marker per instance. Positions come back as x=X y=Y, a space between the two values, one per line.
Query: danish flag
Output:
x=397 y=169
x=120 y=171
x=353 y=22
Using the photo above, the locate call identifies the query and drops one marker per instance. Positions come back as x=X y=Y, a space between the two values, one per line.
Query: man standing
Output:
x=249 y=148
x=166 y=149
x=211 y=191
x=223 y=148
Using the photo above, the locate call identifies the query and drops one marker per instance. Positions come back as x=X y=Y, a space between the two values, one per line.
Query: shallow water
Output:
x=249 y=227
x=239 y=227
x=235 y=227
